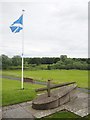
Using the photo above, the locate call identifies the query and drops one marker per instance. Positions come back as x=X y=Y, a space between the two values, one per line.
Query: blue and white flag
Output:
x=17 y=25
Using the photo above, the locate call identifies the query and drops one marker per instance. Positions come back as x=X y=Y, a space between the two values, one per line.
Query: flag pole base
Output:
x=22 y=88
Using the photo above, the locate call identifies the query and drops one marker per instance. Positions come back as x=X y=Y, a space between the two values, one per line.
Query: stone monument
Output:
x=61 y=94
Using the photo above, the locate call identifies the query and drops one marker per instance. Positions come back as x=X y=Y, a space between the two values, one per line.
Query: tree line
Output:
x=62 y=62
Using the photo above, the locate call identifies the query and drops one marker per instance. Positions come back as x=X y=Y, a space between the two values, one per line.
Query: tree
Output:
x=47 y=60
x=36 y=61
x=6 y=61
x=0 y=62
x=63 y=57
x=16 y=61
x=56 y=60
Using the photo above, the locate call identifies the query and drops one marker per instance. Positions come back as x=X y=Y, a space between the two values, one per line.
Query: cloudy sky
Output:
x=51 y=28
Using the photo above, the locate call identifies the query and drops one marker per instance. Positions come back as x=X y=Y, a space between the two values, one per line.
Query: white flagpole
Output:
x=22 y=87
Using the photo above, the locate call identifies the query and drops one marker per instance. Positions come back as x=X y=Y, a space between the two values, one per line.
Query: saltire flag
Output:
x=17 y=25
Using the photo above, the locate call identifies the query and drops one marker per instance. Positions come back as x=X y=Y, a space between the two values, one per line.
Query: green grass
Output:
x=63 y=114
x=57 y=76
x=12 y=94
x=66 y=114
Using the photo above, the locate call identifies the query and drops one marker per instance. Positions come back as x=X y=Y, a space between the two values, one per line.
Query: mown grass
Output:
x=63 y=114
x=12 y=93
x=57 y=76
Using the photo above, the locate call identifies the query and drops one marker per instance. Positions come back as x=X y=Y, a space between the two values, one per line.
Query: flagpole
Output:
x=22 y=87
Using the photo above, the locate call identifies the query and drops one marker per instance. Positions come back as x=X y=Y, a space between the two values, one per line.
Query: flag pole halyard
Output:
x=22 y=86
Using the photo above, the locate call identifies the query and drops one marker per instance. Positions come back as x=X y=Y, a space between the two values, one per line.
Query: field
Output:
x=57 y=76
x=12 y=94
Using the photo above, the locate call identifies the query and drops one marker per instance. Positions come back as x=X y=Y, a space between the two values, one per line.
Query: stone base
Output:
x=58 y=97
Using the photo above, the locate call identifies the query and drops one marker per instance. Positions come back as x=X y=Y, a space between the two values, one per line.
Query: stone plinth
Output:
x=58 y=97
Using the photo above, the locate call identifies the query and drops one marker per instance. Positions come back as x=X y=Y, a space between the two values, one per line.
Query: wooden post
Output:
x=48 y=88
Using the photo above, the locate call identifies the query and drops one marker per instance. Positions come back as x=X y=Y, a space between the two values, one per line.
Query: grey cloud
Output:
x=50 y=28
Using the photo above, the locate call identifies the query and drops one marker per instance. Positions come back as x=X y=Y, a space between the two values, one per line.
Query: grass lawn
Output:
x=57 y=76
x=63 y=114
x=12 y=94
x=66 y=114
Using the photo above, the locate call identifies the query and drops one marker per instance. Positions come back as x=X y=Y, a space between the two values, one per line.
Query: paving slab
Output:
x=80 y=105
x=10 y=107
x=77 y=104
x=43 y=113
x=83 y=112
x=0 y=113
x=18 y=112
x=25 y=104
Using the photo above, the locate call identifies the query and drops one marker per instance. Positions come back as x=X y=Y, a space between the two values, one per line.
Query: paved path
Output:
x=17 y=111
x=79 y=106
x=41 y=83
x=14 y=78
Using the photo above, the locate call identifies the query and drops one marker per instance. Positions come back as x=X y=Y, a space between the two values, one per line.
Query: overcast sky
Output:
x=51 y=28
